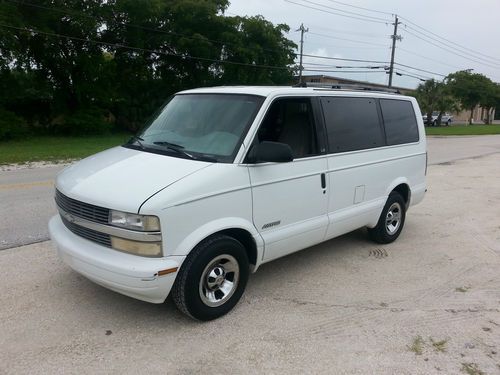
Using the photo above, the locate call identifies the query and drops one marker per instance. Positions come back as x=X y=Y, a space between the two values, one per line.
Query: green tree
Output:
x=490 y=100
x=433 y=96
x=120 y=59
x=468 y=88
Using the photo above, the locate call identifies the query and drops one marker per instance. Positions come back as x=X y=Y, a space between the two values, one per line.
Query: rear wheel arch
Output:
x=402 y=186
x=404 y=190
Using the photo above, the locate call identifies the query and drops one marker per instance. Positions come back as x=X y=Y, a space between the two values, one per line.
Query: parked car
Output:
x=225 y=179
x=446 y=119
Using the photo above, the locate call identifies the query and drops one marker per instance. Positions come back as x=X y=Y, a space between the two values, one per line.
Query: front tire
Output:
x=212 y=279
x=391 y=221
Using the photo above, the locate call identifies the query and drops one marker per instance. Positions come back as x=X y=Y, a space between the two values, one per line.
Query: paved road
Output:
x=347 y=306
x=446 y=149
x=26 y=202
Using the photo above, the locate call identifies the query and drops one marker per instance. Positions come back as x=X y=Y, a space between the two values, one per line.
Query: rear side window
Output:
x=352 y=124
x=399 y=120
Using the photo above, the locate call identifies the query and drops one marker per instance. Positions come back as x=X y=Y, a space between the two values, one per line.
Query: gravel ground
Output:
x=427 y=304
x=35 y=165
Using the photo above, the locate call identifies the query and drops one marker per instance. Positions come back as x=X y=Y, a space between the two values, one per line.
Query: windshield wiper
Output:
x=179 y=149
x=174 y=147
x=136 y=138
x=169 y=144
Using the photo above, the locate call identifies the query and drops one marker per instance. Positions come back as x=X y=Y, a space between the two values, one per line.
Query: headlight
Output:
x=145 y=223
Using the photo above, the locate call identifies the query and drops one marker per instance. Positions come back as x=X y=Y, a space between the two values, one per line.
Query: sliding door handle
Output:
x=323 y=181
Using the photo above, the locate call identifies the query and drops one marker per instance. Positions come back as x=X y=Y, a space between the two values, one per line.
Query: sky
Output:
x=438 y=36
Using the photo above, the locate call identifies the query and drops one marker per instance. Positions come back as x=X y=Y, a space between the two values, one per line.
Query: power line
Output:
x=335 y=13
x=449 y=41
x=451 y=51
x=410 y=75
x=366 y=35
x=347 y=40
x=361 y=8
x=194 y=37
x=428 y=58
x=348 y=66
x=131 y=25
x=348 y=47
x=420 y=70
x=447 y=45
x=343 y=71
x=344 y=59
x=116 y=45
x=459 y=53
x=417 y=75
x=345 y=11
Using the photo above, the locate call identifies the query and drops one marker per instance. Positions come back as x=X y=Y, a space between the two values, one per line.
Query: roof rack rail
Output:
x=347 y=86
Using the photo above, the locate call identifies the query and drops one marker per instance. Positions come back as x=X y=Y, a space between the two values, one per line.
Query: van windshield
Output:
x=207 y=127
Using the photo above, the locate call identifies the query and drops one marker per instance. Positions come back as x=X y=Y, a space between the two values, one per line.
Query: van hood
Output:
x=123 y=179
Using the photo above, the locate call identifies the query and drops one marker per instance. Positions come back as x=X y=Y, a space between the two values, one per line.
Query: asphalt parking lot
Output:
x=427 y=304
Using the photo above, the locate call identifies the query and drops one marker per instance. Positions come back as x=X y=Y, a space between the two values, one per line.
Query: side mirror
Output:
x=273 y=152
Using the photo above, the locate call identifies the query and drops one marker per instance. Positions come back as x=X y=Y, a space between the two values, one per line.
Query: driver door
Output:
x=290 y=199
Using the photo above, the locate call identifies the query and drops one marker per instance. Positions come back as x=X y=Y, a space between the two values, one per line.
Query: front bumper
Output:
x=131 y=275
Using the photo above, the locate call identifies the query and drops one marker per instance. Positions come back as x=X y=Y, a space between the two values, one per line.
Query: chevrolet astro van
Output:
x=225 y=179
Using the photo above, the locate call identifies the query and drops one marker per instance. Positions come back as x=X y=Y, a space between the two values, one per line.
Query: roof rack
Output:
x=347 y=86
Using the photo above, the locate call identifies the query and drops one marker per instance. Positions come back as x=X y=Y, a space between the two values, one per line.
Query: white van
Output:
x=225 y=179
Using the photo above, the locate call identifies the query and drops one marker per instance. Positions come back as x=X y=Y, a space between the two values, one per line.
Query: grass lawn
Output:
x=61 y=148
x=56 y=148
x=463 y=130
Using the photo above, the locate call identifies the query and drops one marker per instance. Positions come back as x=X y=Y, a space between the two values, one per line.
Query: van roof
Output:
x=285 y=90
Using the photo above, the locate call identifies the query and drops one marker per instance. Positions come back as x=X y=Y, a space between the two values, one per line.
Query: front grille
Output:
x=89 y=234
x=84 y=210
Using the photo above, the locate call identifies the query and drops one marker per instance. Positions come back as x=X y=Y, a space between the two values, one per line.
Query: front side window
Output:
x=352 y=123
x=200 y=126
x=291 y=121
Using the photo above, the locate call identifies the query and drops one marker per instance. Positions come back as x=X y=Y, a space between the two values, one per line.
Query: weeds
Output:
x=417 y=345
x=439 y=346
x=471 y=369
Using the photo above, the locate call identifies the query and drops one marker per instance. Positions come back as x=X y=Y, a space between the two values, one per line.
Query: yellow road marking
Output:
x=26 y=185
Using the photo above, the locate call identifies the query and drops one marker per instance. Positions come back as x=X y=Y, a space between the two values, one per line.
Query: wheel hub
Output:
x=219 y=280
x=393 y=218
x=216 y=277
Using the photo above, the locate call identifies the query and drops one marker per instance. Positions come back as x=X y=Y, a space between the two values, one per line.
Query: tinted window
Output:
x=291 y=121
x=352 y=123
x=202 y=125
x=399 y=120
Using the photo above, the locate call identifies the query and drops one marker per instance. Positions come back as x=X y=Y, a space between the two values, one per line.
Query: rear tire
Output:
x=391 y=221
x=212 y=279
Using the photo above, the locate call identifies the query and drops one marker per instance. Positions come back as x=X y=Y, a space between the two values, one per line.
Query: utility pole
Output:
x=394 y=37
x=302 y=30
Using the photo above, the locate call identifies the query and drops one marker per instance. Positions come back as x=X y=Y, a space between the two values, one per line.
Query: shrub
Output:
x=89 y=121
x=11 y=126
